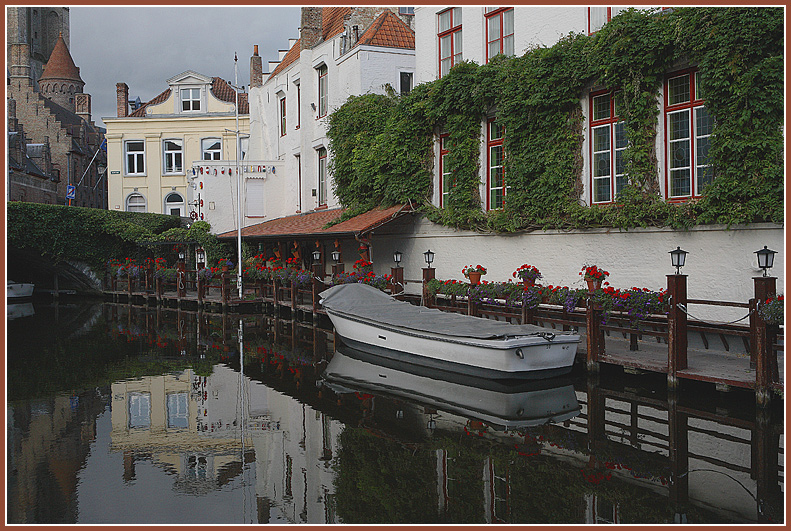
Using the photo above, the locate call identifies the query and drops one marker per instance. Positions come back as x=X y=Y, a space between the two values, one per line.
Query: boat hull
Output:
x=512 y=357
x=16 y=290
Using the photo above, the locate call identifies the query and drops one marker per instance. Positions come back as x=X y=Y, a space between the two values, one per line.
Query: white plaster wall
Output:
x=720 y=264
x=533 y=26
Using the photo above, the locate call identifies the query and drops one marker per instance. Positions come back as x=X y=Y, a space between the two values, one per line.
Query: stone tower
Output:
x=32 y=35
x=60 y=81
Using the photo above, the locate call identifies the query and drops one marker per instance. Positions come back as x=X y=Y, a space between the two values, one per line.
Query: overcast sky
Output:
x=145 y=46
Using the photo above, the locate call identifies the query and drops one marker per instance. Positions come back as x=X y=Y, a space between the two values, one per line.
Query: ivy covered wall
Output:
x=383 y=146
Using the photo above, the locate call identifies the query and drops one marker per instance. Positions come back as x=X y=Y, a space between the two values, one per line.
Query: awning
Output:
x=311 y=224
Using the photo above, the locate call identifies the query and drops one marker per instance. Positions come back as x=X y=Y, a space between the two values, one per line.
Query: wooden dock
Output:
x=724 y=354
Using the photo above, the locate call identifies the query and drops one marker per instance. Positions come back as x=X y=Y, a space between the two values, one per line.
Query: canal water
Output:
x=129 y=415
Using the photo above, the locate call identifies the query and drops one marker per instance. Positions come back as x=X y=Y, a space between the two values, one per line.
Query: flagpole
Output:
x=238 y=181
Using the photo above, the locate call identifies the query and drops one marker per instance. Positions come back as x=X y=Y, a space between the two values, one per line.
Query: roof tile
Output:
x=389 y=31
x=60 y=65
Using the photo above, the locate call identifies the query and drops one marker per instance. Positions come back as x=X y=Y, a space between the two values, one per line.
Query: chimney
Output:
x=256 y=69
x=310 y=27
x=82 y=105
x=122 y=99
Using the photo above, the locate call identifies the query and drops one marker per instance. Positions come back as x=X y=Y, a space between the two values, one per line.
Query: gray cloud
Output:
x=144 y=46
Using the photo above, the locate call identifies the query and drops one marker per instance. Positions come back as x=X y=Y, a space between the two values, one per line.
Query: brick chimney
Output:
x=122 y=99
x=256 y=69
x=82 y=105
x=310 y=27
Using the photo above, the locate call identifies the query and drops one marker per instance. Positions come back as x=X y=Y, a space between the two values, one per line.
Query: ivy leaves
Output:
x=383 y=146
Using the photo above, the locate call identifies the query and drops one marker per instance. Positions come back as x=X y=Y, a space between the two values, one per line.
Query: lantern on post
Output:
x=677 y=257
x=766 y=258
x=200 y=256
x=182 y=254
x=397 y=258
x=316 y=256
x=429 y=256
x=336 y=256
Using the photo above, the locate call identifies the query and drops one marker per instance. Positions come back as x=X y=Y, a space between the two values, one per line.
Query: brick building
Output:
x=52 y=109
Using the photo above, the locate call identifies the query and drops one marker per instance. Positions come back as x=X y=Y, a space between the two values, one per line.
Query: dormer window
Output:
x=190 y=99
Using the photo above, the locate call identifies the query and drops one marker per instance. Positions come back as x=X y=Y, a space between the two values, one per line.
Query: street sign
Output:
x=71 y=191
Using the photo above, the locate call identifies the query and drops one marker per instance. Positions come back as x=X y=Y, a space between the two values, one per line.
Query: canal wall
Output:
x=720 y=264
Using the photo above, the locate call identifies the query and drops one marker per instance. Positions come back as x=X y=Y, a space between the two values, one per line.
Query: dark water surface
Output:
x=127 y=415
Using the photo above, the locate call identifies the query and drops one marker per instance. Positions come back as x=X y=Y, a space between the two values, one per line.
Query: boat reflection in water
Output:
x=502 y=404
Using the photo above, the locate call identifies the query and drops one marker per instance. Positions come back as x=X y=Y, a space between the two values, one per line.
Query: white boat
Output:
x=503 y=404
x=365 y=318
x=17 y=290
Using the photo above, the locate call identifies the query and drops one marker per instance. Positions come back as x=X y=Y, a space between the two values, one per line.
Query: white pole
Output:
x=238 y=182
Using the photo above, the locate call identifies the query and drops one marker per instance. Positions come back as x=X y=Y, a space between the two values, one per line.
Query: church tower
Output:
x=32 y=35
x=60 y=81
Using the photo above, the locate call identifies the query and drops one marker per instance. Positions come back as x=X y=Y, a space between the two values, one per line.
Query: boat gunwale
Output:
x=471 y=342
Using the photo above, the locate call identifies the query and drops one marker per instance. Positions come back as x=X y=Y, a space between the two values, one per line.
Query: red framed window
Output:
x=607 y=144
x=688 y=128
x=499 y=31
x=599 y=16
x=446 y=177
x=282 y=116
x=449 y=39
x=495 y=183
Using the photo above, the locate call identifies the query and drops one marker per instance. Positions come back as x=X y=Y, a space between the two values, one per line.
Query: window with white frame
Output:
x=607 y=145
x=135 y=202
x=174 y=204
x=135 y=157
x=449 y=37
x=173 y=156
x=178 y=410
x=322 y=177
x=139 y=410
x=406 y=10
x=190 y=99
x=322 y=73
x=283 y=116
x=688 y=128
x=499 y=31
x=496 y=155
x=211 y=148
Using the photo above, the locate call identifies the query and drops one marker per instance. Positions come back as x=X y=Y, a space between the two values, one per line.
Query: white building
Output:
x=342 y=51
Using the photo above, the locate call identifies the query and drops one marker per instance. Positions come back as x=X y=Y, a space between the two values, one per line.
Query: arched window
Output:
x=135 y=203
x=174 y=204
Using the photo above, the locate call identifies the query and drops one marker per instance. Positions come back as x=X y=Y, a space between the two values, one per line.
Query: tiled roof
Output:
x=60 y=65
x=332 y=20
x=312 y=224
x=390 y=31
x=291 y=56
x=219 y=87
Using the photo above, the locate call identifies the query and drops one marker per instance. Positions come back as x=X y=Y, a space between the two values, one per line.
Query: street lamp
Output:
x=677 y=257
x=182 y=254
x=200 y=255
x=316 y=256
x=429 y=256
x=766 y=258
x=336 y=256
x=397 y=258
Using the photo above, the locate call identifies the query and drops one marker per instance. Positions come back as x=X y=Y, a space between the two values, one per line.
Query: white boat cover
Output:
x=371 y=304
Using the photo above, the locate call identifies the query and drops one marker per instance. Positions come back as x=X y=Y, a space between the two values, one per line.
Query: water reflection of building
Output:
x=191 y=426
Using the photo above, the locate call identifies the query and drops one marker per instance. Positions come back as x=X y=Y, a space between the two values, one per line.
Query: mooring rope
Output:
x=684 y=309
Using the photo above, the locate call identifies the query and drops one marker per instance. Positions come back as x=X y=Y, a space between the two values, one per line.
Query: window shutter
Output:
x=254 y=197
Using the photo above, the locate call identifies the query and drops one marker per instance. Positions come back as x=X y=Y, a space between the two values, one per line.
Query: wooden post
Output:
x=397 y=274
x=472 y=306
x=293 y=298
x=594 y=334
x=528 y=315
x=128 y=284
x=766 y=444
x=761 y=349
x=225 y=289
x=428 y=274
x=275 y=297
x=199 y=283
x=159 y=289
x=337 y=269
x=676 y=328
x=678 y=440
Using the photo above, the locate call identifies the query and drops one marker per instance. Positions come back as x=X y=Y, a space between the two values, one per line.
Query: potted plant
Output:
x=593 y=276
x=224 y=264
x=528 y=274
x=473 y=273
x=771 y=311
x=363 y=266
